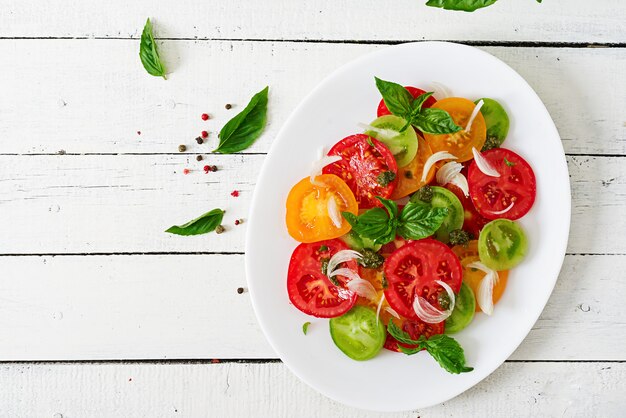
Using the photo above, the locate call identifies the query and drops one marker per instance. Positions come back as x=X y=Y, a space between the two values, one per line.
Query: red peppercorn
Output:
x=236 y=221
x=205 y=116
x=138 y=132
x=186 y=171
x=207 y=168
x=204 y=134
x=235 y=193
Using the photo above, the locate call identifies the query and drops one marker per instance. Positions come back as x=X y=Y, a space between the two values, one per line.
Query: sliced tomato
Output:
x=473 y=221
x=413 y=269
x=308 y=219
x=509 y=196
x=309 y=289
x=410 y=176
x=459 y=144
x=415 y=92
x=415 y=328
x=364 y=162
x=473 y=277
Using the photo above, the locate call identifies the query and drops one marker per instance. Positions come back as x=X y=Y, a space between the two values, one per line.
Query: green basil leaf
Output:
x=397 y=99
x=390 y=205
x=420 y=220
x=242 y=130
x=463 y=5
x=373 y=224
x=435 y=121
x=149 y=54
x=201 y=225
x=447 y=352
x=419 y=102
x=399 y=334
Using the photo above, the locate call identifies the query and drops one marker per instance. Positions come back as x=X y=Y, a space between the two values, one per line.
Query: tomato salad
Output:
x=407 y=229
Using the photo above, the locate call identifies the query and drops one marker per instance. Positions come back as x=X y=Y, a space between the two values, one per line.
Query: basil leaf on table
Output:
x=201 y=225
x=242 y=130
x=463 y=5
x=149 y=54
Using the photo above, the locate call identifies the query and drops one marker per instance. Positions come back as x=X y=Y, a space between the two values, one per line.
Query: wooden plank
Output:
x=572 y=21
x=187 y=307
x=112 y=204
x=270 y=390
x=98 y=105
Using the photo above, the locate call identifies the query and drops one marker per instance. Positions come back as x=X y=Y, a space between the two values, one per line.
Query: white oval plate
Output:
x=391 y=381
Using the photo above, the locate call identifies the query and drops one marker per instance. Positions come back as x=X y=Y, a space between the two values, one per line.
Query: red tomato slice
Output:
x=415 y=328
x=415 y=92
x=310 y=290
x=412 y=270
x=474 y=221
x=509 y=196
x=363 y=160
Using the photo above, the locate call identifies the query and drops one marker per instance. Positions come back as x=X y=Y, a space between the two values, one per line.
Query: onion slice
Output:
x=392 y=312
x=485 y=289
x=361 y=287
x=341 y=257
x=333 y=212
x=434 y=159
x=447 y=172
x=428 y=313
x=483 y=165
x=316 y=168
x=383 y=133
x=474 y=114
x=460 y=181
x=380 y=305
x=503 y=211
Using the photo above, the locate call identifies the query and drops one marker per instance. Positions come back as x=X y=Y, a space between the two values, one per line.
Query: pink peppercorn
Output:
x=235 y=193
x=207 y=168
x=186 y=171
x=204 y=134
x=205 y=116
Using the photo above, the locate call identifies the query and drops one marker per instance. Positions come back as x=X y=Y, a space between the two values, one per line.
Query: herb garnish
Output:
x=400 y=103
x=463 y=5
x=418 y=220
x=149 y=54
x=371 y=259
x=444 y=349
x=305 y=327
x=385 y=178
x=459 y=237
x=243 y=129
x=201 y=225
x=509 y=163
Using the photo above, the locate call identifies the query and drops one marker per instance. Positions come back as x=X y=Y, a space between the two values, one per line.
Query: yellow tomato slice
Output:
x=308 y=218
x=473 y=277
x=459 y=144
x=410 y=176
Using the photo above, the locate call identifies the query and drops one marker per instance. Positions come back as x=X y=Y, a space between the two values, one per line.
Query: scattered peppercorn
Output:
x=206 y=168
x=238 y=221
x=240 y=290
x=214 y=168
x=371 y=259
x=138 y=132
x=459 y=237
x=385 y=178
x=234 y=193
x=182 y=148
x=228 y=106
x=198 y=157
x=205 y=116
x=186 y=171
x=199 y=140
x=219 y=229
x=204 y=134
x=425 y=194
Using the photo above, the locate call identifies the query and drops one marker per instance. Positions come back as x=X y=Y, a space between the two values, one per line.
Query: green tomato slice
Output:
x=358 y=334
x=444 y=198
x=463 y=311
x=502 y=244
x=403 y=145
x=497 y=122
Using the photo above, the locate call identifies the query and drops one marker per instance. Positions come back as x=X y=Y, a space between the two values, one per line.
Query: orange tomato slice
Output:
x=308 y=219
x=459 y=144
x=410 y=176
x=472 y=276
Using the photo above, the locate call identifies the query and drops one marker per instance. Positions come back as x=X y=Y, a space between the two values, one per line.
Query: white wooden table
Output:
x=104 y=315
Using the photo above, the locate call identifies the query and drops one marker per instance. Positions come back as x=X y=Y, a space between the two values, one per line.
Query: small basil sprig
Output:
x=242 y=130
x=400 y=103
x=418 y=220
x=201 y=225
x=149 y=53
x=444 y=349
x=463 y=5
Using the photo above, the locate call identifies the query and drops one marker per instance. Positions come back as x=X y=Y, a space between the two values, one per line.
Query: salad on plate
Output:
x=408 y=229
